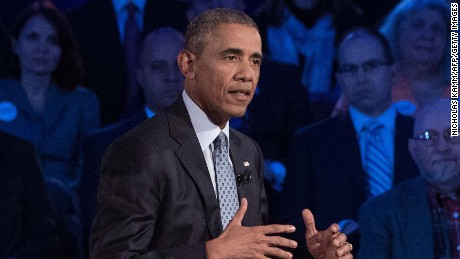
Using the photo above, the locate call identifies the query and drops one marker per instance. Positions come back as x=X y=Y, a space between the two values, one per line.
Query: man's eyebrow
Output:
x=230 y=51
x=257 y=55
x=239 y=52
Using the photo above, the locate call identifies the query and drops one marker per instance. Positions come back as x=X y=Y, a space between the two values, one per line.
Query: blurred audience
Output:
x=196 y=7
x=420 y=217
x=349 y=158
x=418 y=32
x=46 y=106
x=6 y=58
x=301 y=32
x=28 y=228
x=161 y=82
x=108 y=32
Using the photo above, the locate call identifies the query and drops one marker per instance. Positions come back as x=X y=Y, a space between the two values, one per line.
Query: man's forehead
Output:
x=362 y=48
x=435 y=119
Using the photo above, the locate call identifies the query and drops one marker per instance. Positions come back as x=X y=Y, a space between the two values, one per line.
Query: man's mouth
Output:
x=240 y=92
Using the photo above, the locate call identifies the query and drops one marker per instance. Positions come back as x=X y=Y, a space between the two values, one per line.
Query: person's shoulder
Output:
x=84 y=92
x=391 y=199
x=117 y=129
x=13 y=143
x=80 y=95
x=321 y=129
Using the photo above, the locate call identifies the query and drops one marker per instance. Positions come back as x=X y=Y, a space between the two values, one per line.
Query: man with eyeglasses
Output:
x=347 y=159
x=420 y=218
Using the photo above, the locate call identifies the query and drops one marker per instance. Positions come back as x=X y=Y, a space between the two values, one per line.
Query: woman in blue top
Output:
x=44 y=104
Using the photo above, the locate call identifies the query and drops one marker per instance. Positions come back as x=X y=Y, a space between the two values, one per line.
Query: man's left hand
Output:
x=326 y=244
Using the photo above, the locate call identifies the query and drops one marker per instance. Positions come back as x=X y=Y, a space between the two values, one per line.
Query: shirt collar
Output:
x=118 y=5
x=205 y=129
x=387 y=118
x=149 y=112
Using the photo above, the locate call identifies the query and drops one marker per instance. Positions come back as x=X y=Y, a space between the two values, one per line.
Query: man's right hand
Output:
x=238 y=241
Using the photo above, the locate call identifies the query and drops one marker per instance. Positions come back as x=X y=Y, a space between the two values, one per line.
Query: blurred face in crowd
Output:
x=438 y=159
x=37 y=46
x=423 y=38
x=305 y=4
x=223 y=78
x=199 y=6
x=158 y=73
x=364 y=74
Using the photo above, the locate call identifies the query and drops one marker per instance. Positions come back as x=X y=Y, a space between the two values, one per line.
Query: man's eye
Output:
x=231 y=58
x=256 y=62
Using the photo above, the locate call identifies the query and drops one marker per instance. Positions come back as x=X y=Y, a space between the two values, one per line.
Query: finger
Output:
x=277 y=241
x=239 y=215
x=340 y=239
x=333 y=230
x=275 y=229
x=277 y=253
x=344 y=249
x=309 y=221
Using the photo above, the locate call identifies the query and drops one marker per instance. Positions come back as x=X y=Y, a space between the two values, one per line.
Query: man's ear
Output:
x=186 y=61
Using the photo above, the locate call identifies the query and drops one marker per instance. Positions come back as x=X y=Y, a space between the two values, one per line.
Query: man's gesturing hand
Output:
x=238 y=241
x=326 y=244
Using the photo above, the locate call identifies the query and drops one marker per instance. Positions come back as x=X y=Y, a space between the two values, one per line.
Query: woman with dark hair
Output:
x=45 y=104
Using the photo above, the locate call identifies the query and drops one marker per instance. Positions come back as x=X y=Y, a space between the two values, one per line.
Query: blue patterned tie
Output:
x=376 y=161
x=225 y=181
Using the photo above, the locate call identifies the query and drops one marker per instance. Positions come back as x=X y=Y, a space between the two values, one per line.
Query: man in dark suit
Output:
x=423 y=211
x=329 y=168
x=26 y=221
x=99 y=27
x=161 y=190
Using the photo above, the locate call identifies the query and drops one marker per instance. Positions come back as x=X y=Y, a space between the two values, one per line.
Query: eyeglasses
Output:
x=367 y=67
x=431 y=137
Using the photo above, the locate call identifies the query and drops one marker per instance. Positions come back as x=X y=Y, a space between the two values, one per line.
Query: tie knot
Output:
x=373 y=127
x=220 y=140
x=131 y=8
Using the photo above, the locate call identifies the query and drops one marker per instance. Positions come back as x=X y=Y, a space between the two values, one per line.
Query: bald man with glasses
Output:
x=420 y=217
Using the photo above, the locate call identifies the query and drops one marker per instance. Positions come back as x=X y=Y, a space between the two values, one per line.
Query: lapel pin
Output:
x=246 y=163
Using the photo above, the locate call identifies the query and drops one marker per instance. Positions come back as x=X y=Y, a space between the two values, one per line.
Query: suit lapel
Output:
x=352 y=156
x=182 y=131
x=416 y=222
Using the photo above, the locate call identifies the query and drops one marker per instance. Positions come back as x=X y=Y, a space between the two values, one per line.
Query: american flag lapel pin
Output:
x=246 y=163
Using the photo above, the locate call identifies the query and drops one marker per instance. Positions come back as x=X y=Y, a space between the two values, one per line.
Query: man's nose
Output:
x=245 y=72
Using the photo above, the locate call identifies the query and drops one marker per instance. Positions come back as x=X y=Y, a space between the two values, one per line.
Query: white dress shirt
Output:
x=207 y=132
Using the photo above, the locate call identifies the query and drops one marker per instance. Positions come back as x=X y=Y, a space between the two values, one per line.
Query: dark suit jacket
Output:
x=397 y=224
x=155 y=195
x=94 y=146
x=96 y=30
x=325 y=171
x=26 y=222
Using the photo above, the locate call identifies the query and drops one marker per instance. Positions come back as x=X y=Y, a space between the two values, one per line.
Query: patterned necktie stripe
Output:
x=225 y=181
x=377 y=162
